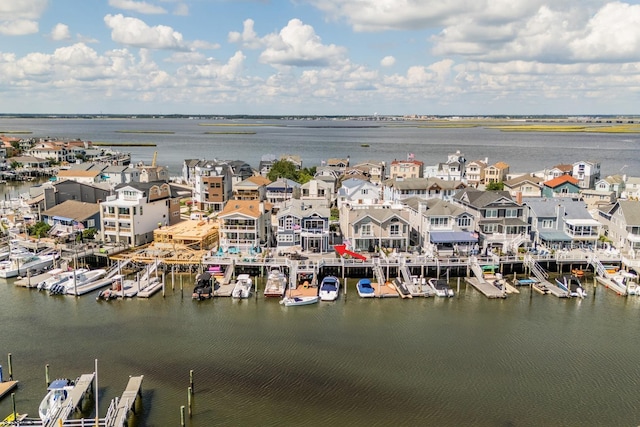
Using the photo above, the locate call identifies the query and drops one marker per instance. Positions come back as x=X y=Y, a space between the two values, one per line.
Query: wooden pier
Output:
x=118 y=412
x=6 y=387
x=613 y=285
x=486 y=288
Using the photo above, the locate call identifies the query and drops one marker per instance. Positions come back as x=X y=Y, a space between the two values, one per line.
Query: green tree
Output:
x=39 y=229
x=495 y=186
x=283 y=169
x=15 y=165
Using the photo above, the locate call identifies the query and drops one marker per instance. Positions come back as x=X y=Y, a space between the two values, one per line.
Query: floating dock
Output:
x=613 y=285
x=6 y=387
x=486 y=288
x=118 y=412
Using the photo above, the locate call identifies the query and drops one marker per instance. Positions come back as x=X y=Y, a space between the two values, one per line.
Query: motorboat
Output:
x=204 y=286
x=58 y=278
x=243 y=286
x=77 y=279
x=329 y=288
x=120 y=288
x=57 y=394
x=24 y=262
x=572 y=285
x=441 y=287
x=628 y=281
x=276 y=283
x=301 y=300
x=365 y=290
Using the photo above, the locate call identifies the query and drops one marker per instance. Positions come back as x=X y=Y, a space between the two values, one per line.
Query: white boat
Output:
x=329 y=288
x=276 y=283
x=57 y=278
x=441 y=287
x=628 y=281
x=295 y=301
x=120 y=288
x=572 y=285
x=57 y=394
x=365 y=290
x=23 y=263
x=243 y=286
x=78 y=280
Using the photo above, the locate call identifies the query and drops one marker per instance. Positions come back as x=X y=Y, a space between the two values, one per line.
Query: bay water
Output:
x=528 y=360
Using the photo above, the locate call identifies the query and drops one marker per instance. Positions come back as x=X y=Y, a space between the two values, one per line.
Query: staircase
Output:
x=537 y=270
x=378 y=273
x=598 y=267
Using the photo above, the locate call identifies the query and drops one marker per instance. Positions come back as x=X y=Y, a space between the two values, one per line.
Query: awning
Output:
x=555 y=236
x=61 y=218
x=453 y=237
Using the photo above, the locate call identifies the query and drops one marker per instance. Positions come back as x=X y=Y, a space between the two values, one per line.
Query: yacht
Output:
x=243 y=286
x=77 y=280
x=24 y=262
x=572 y=285
x=57 y=394
x=329 y=288
x=276 y=283
x=57 y=278
x=441 y=287
x=365 y=290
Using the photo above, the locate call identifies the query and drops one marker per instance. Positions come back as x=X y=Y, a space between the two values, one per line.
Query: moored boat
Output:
x=365 y=290
x=57 y=394
x=302 y=300
x=276 y=283
x=23 y=263
x=572 y=285
x=329 y=288
x=243 y=286
x=204 y=286
x=441 y=287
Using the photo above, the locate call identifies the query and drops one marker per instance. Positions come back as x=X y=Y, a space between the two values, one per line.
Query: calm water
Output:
x=529 y=360
x=315 y=141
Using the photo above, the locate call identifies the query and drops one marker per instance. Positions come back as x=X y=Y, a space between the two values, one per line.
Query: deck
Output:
x=486 y=288
x=385 y=290
x=612 y=284
x=118 y=416
x=6 y=387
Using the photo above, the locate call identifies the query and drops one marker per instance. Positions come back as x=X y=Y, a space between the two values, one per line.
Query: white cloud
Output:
x=18 y=27
x=181 y=9
x=60 y=32
x=297 y=44
x=388 y=61
x=19 y=18
x=137 y=6
x=248 y=38
x=134 y=32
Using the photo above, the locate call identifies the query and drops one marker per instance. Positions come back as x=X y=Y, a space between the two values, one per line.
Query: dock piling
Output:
x=10 y=367
x=46 y=373
x=13 y=404
x=189 y=402
x=191 y=382
x=182 y=416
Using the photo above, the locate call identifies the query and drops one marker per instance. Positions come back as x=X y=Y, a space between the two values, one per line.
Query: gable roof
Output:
x=562 y=179
x=250 y=208
x=73 y=209
x=544 y=207
x=519 y=180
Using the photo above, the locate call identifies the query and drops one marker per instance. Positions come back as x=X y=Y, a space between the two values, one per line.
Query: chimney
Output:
x=519 y=197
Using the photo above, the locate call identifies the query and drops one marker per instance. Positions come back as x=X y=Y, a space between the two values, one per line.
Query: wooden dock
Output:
x=555 y=290
x=75 y=400
x=486 y=288
x=119 y=411
x=612 y=284
x=6 y=387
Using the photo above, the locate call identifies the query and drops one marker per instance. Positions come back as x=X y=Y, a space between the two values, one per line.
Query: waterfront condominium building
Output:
x=136 y=210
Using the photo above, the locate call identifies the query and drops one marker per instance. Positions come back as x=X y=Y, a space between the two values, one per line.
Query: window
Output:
x=365 y=230
x=491 y=213
x=439 y=222
x=394 y=230
x=490 y=228
x=91 y=223
x=511 y=213
x=464 y=221
x=547 y=223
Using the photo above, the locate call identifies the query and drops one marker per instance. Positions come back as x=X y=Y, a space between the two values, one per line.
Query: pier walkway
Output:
x=118 y=412
x=478 y=282
x=76 y=397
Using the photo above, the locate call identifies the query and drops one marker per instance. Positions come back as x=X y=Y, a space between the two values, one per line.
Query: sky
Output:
x=320 y=57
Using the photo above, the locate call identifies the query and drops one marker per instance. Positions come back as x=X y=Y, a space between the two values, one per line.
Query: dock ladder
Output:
x=598 y=267
x=536 y=269
x=378 y=273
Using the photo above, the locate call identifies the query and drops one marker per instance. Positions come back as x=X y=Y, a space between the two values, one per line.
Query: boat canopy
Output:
x=56 y=384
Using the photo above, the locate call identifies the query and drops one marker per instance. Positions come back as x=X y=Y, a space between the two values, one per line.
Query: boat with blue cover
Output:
x=365 y=290
x=329 y=288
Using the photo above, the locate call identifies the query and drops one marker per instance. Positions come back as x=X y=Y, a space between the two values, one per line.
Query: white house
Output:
x=358 y=192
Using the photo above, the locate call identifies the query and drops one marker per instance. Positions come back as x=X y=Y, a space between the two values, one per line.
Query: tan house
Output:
x=524 y=186
x=245 y=224
x=496 y=173
x=90 y=176
x=252 y=188
x=406 y=169
x=475 y=172
x=368 y=227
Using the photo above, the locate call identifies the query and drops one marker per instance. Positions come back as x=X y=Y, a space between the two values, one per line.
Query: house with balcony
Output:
x=374 y=171
x=554 y=172
x=561 y=222
x=316 y=190
x=614 y=183
x=90 y=176
x=282 y=189
x=524 y=186
x=406 y=169
x=240 y=170
x=499 y=219
x=632 y=188
x=621 y=222
x=496 y=173
x=382 y=226
x=595 y=199
x=587 y=173
x=304 y=226
x=115 y=174
x=137 y=208
x=454 y=169
x=562 y=186
x=51 y=151
x=398 y=189
x=245 y=224
x=252 y=188
x=358 y=192
x=213 y=185
x=70 y=217
x=475 y=172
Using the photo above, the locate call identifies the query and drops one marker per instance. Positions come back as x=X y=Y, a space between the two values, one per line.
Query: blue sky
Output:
x=333 y=57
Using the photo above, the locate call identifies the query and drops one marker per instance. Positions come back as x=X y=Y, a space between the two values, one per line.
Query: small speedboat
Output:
x=57 y=394
x=441 y=287
x=204 y=286
x=303 y=300
x=365 y=290
x=243 y=286
x=571 y=285
x=329 y=288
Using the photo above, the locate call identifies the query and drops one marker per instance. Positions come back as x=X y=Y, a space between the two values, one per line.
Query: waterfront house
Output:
x=116 y=174
x=632 y=188
x=303 y=225
x=240 y=170
x=561 y=222
x=212 y=185
x=587 y=173
x=554 y=172
x=475 y=172
x=615 y=183
x=189 y=171
x=91 y=176
x=137 y=208
x=562 y=186
x=496 y=173
x=524 y=186
x=29 y=162
x=383 y=226
x=406 y=169
x=282 y=189
x=52 y=152
x=252 y=188
x=152 y=173
x=317 y=190
x=49 y=195
x=398 y=189
x=454 y=169
x=621 y=222
x=245 y=224
x=358 y=192
x=70 y=217
x=266 y=162
x=595 y=199
x=293 y=159
x=499 y=219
